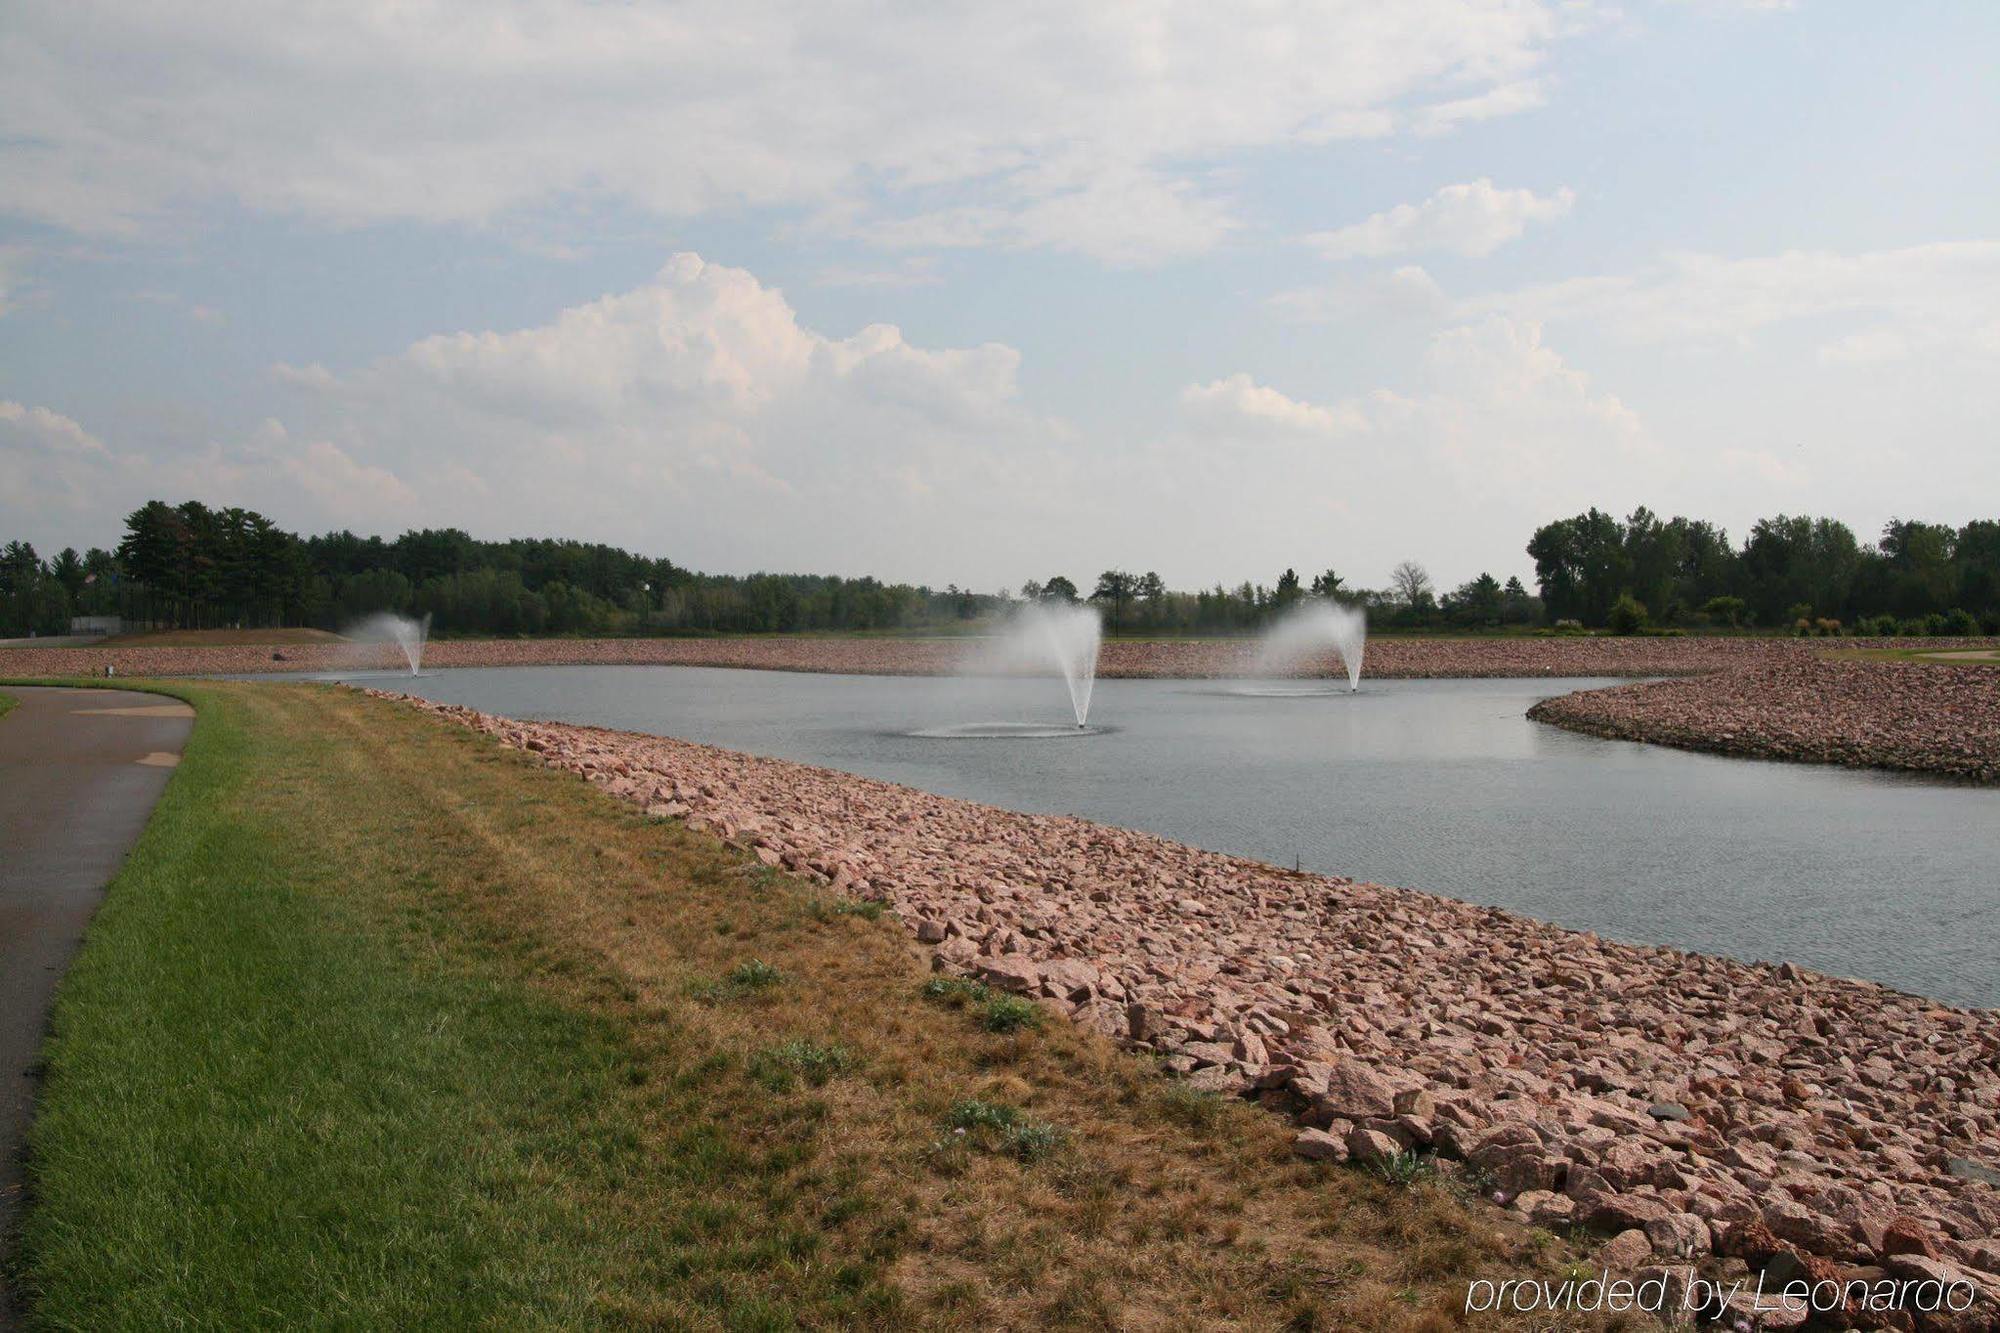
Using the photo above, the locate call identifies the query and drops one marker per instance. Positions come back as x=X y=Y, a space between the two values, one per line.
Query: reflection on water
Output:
x=1438 y=785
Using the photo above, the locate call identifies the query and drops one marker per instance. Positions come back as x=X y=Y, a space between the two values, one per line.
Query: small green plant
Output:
x=976 y=1114
x=1001 y=1128
x=823 y=909
x=997 y=1012
x=1404 y=1168
x=1008 y=1013
x=755 y=974
x=1032 y=1140
x=745 y=978
x=1195 y=1108
x=814 y=1063
x=957 y=992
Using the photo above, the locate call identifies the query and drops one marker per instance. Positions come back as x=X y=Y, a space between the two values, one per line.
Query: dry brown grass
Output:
x=218 y=638
x=756 y=1198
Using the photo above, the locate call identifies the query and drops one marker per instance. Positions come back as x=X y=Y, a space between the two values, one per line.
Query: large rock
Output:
x=1906 y=1235
x=1355 y=1092
x=1015 y=972
x=1145 y=1022
x=1812 y=1231
x=1618 y=1212
x=1625 y=1251
x=1371 y=1147
x=1545 y=1208
x=1678 y=1235
x=1316 y=1145
x=1515 y=1168
x=1978 y=1172
x=1069 y=979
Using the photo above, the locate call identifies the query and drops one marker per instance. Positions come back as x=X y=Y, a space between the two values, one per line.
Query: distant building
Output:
x=96 y=625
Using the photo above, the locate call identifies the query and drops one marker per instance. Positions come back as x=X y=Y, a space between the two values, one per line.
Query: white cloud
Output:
x=1503 y=431
x=1497 y=386
x=1472 y=219
x=56 y=476
x=694 y=414
x=1494 y=434
x=12 y=261
x=1123 y=217
x=1507 y=99
x=49 y=466
x=1403 y=293
x=1879 y=305
x=37 y=429
x=1080 y=128
x=1237 y=405
x=916 y=271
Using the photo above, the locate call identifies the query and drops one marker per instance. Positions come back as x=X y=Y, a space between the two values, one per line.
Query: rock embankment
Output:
x=1917 y=717
x=1387 y=658
x=1690 y=1106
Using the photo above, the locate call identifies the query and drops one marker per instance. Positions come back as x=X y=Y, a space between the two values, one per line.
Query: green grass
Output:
x=1930 y=656
x=7 y=704
x=997 y=1012
x=998 y=1127
x=382 y=1025
x=263 y=1108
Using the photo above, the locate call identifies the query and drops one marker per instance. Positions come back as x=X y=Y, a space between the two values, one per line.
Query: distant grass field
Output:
x=213 y=638
x=383 y=1025
x=1950 y=656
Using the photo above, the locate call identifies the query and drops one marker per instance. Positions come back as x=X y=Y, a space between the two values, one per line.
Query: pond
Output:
x=1432 y=784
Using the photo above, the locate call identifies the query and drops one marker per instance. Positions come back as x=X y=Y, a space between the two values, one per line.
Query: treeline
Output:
x=1791 y=573
x=190 y=566
x=1143 y=604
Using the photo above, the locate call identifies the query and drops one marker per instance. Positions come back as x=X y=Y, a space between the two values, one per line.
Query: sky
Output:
x=980 y=293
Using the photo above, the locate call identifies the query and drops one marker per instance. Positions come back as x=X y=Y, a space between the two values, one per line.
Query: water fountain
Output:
x=1306 y=632
x=1038 y=638
x=388 y=627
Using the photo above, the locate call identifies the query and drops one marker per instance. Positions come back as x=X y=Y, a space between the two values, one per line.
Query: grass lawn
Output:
x=209 y=638
x=383 y=1025
x=1949 y=656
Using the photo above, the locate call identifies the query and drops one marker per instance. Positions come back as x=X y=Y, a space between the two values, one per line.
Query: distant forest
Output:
x=192 y=567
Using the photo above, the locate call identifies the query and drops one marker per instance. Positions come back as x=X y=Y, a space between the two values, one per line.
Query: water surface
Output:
x=1438 y=785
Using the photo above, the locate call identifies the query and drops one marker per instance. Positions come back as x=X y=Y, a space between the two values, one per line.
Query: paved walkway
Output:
x=79 y=772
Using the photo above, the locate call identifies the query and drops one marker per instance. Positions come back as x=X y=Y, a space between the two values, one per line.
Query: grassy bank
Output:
x=1947 y=656
x=384 y=1025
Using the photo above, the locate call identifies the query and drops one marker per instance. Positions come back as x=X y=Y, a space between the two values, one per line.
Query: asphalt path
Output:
x=79 y=773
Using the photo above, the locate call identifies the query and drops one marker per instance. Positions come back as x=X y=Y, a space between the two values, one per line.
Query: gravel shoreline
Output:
x=1386 y=658
x=1689 y=1106
x=1914 y=717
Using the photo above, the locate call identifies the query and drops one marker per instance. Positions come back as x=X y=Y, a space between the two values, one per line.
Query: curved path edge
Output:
x=80 y=772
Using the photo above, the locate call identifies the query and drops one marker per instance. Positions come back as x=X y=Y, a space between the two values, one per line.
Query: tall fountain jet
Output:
x=1045 y=636
x=1307 y=632
x=1071 y=635
x=405 y=633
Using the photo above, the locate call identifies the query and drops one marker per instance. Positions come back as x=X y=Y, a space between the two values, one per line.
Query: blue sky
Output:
x=1004 y=293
